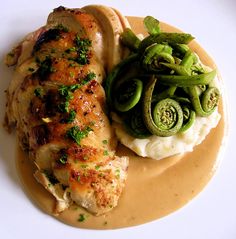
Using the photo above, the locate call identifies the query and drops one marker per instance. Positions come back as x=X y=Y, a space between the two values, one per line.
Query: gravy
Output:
x=154 y=188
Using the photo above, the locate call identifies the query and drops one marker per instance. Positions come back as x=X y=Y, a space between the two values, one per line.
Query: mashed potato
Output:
x=161 y=147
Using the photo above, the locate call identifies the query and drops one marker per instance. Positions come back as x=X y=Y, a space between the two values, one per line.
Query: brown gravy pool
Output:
x=154 y=188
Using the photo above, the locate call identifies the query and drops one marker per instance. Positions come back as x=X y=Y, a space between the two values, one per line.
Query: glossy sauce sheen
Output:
x=154 y=188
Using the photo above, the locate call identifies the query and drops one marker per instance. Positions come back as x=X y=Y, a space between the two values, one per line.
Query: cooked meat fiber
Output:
x=57 y=105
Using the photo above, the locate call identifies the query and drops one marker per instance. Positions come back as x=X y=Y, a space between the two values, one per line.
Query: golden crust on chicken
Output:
x=57 y=105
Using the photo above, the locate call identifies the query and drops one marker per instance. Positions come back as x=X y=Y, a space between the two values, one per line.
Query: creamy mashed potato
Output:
x=157 y=147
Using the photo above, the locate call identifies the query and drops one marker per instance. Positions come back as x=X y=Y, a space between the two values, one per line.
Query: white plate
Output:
x=213 y=213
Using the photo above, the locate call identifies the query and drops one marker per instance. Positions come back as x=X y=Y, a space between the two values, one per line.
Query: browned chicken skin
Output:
x=57 y=104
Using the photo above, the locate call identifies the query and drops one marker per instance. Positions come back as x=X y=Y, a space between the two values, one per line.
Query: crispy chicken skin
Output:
x=57 y=105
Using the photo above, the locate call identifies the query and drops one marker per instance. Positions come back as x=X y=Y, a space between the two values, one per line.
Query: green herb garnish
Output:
x=105 y=152
x=72 y=74
x=105 y=141
x=83 y=165
x=66 y=92
x=77 y=135
x=97 y=167
x=71 y=49
x=63 y=158
x=82 y=50
x=82 y=217
x=38 y=92
x=45 y=67
x=71 y=117
x=62 y=28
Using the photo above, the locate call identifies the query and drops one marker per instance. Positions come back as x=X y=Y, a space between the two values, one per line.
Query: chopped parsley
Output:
x=45 y=67
x=63 y=158
x=83 y=165
x=90 y=76
x=71 y=49
x=72 y=64
x=62 y=28
x=82 y=43
x=76 y=134
x=105 y=141
x=71 y=117
x=105 y=152
x=64 y=107
x=97 y=167
x=38 y=92
x=117 y=173
x=82 y=46
x=66 y=92
x=82 y=217
x=72 y=74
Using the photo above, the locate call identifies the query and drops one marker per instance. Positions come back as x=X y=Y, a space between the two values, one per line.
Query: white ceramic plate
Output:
x=212 y=214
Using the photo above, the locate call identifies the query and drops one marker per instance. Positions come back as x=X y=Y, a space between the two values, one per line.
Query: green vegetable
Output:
x=178 y=69
x=129 y=39
x=167 y=116
x=208 y=102
x=170 y=38
x=183 y=81
x=128 y=95
x=168 y=93
x=154 y=55
x=115 y=73
x=188 y=60
x=162 y=87
x=134 y=124
x=179 y=50
x=188 y=118
x=152 y=25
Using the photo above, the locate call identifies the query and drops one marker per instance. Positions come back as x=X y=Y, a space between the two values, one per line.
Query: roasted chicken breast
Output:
x=57 y=105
